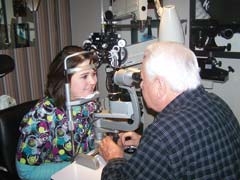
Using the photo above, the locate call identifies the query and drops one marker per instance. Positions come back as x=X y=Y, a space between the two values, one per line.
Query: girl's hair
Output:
x=55 y=88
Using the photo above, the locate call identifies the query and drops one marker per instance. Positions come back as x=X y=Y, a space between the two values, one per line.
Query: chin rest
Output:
x=10 y=119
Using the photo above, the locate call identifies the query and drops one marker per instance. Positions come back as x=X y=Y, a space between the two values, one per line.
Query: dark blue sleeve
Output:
x=113 y=170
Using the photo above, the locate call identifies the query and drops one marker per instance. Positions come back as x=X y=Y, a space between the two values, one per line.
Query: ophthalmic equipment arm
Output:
x=123 y=115
x=113 y=121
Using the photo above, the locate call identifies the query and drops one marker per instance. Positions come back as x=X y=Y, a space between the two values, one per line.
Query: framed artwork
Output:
x=4 y=39
x=21 y=34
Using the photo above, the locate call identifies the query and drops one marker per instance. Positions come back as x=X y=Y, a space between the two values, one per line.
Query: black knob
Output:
x=109 y=15
x=230 y=69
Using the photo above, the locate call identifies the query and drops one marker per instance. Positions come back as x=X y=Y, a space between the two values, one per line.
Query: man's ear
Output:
x=159 y=87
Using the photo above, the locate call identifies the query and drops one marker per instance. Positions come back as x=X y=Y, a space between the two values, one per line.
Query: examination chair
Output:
x=10 y=119
x=6 y=64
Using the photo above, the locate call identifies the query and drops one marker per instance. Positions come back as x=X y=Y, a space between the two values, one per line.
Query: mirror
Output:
x=17 y=24
x=215 y=28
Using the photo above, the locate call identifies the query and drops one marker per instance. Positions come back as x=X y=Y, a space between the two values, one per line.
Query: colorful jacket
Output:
x=45 y=136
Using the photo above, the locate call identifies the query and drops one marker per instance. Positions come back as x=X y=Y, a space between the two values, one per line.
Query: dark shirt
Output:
x=195 y=137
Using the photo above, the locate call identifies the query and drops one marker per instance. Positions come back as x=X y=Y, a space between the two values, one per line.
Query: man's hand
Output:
x=129 y=139
x=108 y=149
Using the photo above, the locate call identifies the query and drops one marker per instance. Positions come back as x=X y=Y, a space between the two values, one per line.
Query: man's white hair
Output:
x=175 y=63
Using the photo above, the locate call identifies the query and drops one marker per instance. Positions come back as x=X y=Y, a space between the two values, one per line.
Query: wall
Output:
x=85 y=19
x=53 y=31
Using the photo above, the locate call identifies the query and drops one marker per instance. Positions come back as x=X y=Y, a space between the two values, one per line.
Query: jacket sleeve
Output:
x=113 y=170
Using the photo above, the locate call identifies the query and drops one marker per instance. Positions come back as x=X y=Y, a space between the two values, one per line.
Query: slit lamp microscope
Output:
x=122 y=82
x=123 y=114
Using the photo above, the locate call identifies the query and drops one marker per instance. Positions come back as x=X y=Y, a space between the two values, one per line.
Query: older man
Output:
x=195 y=135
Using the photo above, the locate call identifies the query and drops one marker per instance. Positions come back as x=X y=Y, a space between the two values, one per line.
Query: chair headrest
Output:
x=6 y=64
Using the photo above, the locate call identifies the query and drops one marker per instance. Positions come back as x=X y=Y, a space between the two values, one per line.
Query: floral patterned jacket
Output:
x=45 y=136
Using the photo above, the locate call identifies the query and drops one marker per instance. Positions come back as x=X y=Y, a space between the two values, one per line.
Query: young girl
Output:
x=45 y=144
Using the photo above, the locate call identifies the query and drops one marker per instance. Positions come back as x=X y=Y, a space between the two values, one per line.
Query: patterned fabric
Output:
x=195 y=137
x=45 y=136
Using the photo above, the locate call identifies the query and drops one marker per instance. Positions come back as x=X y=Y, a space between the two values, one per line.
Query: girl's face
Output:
x=83 y=82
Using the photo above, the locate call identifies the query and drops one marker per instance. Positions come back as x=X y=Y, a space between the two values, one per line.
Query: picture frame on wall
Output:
x=21 y=35
x=4 y=39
